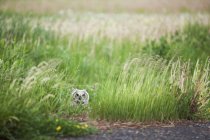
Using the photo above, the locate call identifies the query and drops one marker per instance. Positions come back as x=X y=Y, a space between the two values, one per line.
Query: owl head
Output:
x=80 y=97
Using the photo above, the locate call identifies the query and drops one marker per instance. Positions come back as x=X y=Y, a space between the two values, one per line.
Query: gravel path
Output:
x=193 y=131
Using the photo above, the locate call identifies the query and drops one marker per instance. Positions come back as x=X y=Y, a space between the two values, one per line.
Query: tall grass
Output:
x=149 y=89
x=38 y=69
x=33 y=94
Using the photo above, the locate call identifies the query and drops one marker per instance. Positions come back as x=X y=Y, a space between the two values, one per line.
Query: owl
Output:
x=80 y=97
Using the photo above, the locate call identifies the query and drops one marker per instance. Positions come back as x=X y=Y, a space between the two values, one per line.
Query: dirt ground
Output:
x=173 y=131
x=139 y=6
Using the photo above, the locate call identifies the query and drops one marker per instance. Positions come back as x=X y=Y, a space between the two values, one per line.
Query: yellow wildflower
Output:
x=85 y=126
x=82 y=126
x=58 y=128
x=77 y=126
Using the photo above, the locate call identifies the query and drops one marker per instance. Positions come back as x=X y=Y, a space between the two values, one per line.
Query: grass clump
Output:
x=149 y=89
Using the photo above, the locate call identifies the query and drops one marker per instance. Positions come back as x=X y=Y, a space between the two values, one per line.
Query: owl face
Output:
x=80 y=96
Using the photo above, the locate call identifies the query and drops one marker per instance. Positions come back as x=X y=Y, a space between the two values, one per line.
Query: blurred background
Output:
x=131 y=6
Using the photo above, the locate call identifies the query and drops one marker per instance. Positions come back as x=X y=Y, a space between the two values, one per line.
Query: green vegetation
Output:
x=126 y=79
x=34 y=92
x=149 y=89
x=190 y=44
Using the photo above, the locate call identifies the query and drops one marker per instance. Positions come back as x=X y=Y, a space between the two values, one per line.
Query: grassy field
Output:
x=136 y=67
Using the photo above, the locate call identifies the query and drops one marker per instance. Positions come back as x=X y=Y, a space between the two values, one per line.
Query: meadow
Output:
x=139 y=68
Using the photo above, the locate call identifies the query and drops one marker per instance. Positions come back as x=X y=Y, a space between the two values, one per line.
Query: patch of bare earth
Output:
x=107 y=125
x=170 y=130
